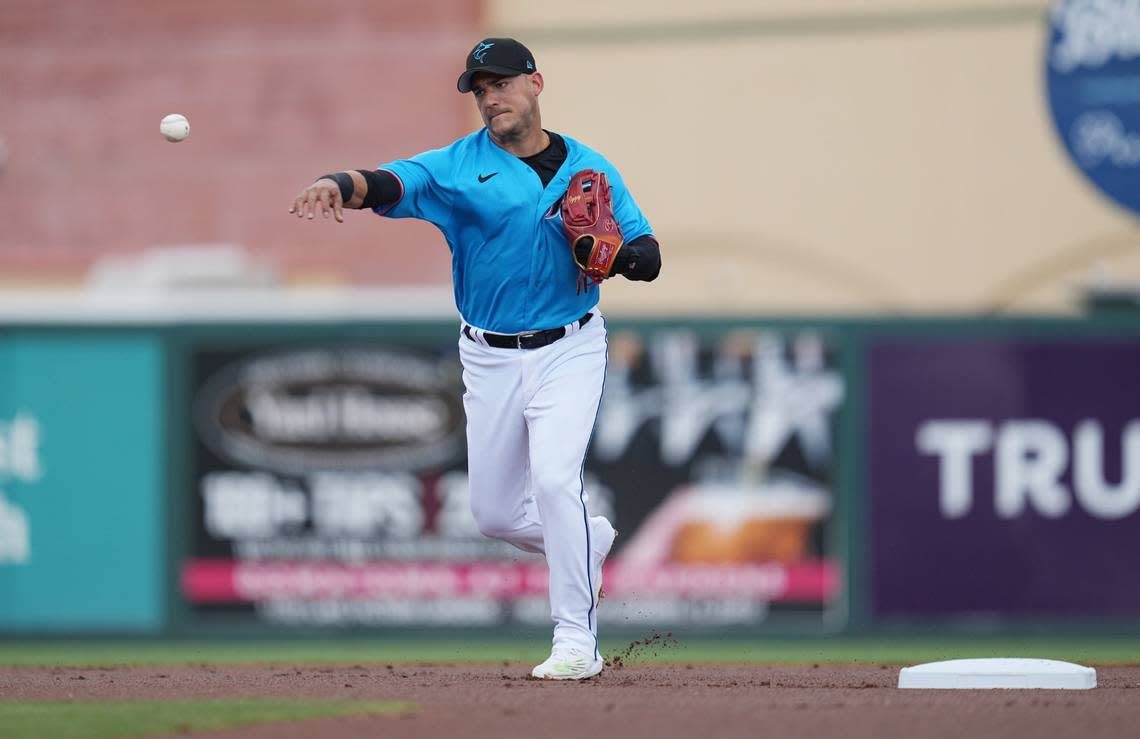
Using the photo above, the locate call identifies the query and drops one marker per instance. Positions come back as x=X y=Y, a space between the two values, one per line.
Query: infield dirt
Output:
x=628 y=701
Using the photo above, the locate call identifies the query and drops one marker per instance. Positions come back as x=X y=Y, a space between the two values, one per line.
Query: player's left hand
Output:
x=324 y=194
x=591 y=227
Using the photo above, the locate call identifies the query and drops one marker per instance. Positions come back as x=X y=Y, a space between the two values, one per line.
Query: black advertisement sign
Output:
x=330 y=487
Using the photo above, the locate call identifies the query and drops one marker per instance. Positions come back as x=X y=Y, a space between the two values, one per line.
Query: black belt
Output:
x=528 y=340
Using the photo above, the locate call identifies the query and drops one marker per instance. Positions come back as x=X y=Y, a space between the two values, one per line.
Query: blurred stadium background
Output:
x=885 y=384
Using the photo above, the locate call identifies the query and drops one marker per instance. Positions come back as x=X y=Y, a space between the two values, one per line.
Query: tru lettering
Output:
x=1030 y=458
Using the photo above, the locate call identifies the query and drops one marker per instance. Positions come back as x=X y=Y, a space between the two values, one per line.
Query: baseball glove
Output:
x=589 y=223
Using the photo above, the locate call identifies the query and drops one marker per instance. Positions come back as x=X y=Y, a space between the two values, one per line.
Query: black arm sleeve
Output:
x=639 y=259
x=384 y=190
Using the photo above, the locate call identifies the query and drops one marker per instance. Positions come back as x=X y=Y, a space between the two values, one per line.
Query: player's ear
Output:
x=536 y=82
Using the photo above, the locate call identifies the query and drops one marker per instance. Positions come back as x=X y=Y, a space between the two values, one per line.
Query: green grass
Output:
x=350 y=652
x=896 y=650
x=131 y=718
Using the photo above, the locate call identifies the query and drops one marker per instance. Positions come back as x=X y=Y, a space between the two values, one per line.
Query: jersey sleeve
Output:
x=630 y=218
x=424 y=193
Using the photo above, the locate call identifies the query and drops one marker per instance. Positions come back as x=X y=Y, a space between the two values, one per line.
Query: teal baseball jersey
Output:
x=510 y=261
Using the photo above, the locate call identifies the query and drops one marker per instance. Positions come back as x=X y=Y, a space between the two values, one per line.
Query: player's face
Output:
x=507 y=105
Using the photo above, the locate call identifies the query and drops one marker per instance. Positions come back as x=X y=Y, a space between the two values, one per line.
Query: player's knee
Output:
x=493 y=529
x=491 y=523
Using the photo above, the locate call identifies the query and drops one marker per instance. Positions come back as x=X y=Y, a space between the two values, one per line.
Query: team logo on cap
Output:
x=480 y=52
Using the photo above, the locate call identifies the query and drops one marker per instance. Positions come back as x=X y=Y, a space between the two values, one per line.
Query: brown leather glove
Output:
x=590 y=226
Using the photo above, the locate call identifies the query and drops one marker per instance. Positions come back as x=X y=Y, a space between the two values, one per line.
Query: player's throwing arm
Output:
x=355 y=189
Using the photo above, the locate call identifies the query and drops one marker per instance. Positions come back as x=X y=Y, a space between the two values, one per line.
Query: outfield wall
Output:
x=191 y=476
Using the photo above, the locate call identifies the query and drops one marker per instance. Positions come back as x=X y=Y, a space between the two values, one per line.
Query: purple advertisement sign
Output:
x=1004 y=479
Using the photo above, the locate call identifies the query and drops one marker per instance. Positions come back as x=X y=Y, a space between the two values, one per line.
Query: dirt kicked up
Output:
x=629 y=701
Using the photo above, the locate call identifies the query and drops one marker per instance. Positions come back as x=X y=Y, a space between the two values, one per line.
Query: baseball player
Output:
x=535 y=221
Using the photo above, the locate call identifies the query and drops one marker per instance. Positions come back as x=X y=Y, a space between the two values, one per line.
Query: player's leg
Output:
x=564 y=387
x=497 y=460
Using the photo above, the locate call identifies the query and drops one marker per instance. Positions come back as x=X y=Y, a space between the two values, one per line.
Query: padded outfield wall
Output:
x=767 y=476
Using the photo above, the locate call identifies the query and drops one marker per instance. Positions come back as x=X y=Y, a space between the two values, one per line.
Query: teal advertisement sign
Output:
x=81 y=449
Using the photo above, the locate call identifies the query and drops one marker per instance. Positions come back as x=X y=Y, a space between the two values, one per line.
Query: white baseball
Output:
x=174 y=127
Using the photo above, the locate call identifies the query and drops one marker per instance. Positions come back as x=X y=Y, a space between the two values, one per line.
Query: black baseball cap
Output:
x=503 y=56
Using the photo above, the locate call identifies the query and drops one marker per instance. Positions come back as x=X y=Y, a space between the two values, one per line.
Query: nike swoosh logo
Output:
x=485 y=178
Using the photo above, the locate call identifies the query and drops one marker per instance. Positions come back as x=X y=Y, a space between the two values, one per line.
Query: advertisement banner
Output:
x=330 y=485
x=1003 y=478
x=81 y=453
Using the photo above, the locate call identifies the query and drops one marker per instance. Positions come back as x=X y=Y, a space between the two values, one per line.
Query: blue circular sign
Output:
x=1093 y=78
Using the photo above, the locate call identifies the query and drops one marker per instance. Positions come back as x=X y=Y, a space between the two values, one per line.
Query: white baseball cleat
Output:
x=568 y=664
x=606 y=535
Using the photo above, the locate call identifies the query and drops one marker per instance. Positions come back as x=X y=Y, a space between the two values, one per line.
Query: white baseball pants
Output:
x=530 y=415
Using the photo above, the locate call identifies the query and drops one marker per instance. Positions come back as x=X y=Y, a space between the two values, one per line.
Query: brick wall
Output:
x=276 y=93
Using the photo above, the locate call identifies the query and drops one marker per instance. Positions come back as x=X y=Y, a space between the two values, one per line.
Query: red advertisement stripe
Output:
x=228 y=581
